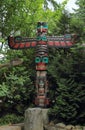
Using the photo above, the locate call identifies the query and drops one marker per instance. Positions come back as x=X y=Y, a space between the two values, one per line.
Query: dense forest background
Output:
x=66 y=69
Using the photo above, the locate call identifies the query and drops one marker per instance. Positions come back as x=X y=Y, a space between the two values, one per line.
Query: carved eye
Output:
x=17 y=39
x=67 y=36
x=45 y=59
x=37 y=59
x=39 y=24
x=44 y=23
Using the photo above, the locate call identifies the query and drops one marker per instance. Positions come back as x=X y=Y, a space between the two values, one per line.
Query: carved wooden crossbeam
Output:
x=14 y=62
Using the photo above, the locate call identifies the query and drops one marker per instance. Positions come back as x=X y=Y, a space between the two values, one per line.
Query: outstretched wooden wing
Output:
x=65 y=41
x=21 y=43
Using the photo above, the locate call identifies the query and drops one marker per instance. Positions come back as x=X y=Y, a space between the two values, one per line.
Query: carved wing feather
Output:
x=64 y=41
x=21 y=43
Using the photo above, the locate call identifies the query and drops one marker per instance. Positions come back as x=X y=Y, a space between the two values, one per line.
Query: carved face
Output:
x=42 y=27
x=41 y=63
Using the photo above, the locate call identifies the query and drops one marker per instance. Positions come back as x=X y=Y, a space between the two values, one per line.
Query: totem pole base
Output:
x=35 y=119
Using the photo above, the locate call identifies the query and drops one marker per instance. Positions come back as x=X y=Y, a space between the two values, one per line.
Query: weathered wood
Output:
x=35 y=119
x=12 y=63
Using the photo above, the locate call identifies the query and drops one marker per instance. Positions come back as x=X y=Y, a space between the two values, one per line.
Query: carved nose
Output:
x=41 y=29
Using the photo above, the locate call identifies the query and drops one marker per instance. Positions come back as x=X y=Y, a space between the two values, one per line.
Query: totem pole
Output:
x=41 y=43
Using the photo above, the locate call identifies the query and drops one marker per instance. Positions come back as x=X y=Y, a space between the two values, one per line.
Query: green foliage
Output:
x=3 y=90
x=78 y=20
x=16 y=92
x=69 y=93
x=25 y=14
x=11 y=119
x=16 y=84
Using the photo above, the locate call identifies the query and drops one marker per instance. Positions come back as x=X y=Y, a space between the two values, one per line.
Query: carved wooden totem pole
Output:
x=41 y=43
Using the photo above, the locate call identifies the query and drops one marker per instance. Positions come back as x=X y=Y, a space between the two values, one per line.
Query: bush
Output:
x=11 y=119
x=68 y=71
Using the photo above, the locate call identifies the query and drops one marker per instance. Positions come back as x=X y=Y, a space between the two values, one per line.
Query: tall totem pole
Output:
x=41 y=44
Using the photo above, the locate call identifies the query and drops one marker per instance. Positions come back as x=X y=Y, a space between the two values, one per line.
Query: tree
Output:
x=67 y=71
x=78 y=20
